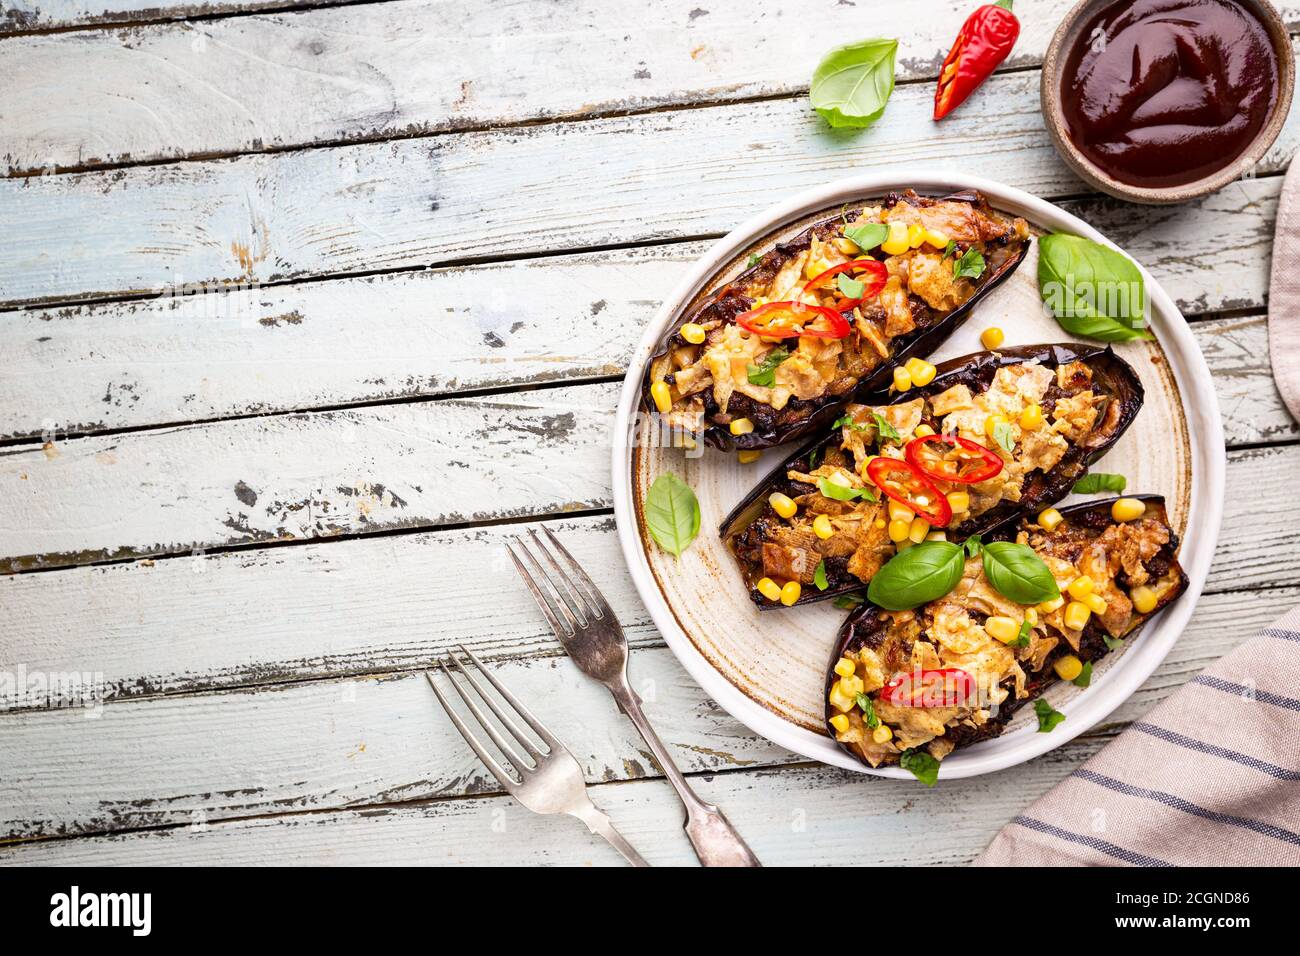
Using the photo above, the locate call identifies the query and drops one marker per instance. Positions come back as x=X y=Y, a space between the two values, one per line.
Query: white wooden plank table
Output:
x=306 y=307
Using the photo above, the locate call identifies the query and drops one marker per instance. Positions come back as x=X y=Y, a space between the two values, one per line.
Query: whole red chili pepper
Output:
x=985 y=39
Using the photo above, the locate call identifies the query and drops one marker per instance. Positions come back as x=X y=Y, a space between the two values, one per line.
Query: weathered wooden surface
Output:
x=406 y=204
x=257 y=669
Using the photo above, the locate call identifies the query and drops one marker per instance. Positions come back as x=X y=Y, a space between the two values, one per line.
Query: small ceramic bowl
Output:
x=1068 y=33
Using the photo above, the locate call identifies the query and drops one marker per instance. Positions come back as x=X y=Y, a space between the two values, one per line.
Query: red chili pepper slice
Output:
x=952 y=458
x=985 y=39
x=907 y=484
x=784 y=320
x=944 y=687
x=872 y=274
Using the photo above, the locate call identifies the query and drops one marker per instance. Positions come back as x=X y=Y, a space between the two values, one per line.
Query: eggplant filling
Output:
x=993 y=654
x=841 y=514
x=816 y=317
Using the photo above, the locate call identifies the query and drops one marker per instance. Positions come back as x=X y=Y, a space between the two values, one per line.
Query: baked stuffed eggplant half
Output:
x=989 y=436
x=775 y=354
x=911 y=686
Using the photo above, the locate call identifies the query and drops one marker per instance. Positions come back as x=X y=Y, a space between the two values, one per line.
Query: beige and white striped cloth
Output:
x=1211 y=777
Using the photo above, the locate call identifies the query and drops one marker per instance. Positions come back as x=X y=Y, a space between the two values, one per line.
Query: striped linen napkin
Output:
x=1209 y=778
x=1284 y=295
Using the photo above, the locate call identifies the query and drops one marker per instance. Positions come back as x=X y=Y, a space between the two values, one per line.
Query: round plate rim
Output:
x=1205 y=435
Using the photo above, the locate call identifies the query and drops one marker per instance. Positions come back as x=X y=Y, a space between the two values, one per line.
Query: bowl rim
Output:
x=1205 y=437
x=1084 y=168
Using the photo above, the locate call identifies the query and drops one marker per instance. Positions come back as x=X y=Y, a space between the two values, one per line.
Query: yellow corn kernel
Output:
x=896 y=243
x=959 y=501
x=881 y=523
x=839 y=700
x=992 y=422
x=937 y=536
x=1080 y=586
x=841 y=723
x=1031 y=616
x=903 y=545
x=899 y=511
x=782 y=504
x=916 y=235
x=790 y=593
x=815 y=267
x=992 y=337
x=1049 y=518
x=845 y=667
x=918 y=529
x=852 y=686
x=1128 y=509
x=1096 y=603
x=741 y=426
x=1001 y=628
x=822 y=527
x=769 y=589
x=898 y=530
x=882 y=734
x=1076 y=615
x=662 y=396
x=922 y=372
x=748 y=456
x=902 y=379
x=845 y=245
x=937 y=239
x=693 y=333
x=1144 y=599
x=1031 y=417
x=1047 y=607
x=922 y=431
x=1068 y=667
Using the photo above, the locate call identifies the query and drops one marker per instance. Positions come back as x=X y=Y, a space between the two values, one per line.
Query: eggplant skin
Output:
x=866 y=625
x=801 y=418
x=1111 y=374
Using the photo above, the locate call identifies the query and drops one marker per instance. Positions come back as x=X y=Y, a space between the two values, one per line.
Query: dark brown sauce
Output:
x=1166 y=92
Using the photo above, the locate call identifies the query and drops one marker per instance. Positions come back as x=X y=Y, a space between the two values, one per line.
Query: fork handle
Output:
x=715 y=840
x=600 y=824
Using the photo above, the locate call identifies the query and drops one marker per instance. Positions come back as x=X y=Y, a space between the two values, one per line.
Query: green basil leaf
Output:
x=949 y=250
x=868 y=712
x=813 y=457
x=922 y=573
x=1093 y=291
x=846 y=421
x=867 y=235
x=847 y=602
x=1096 y=481
x=1005 y=437
x=1017 y=573
x=1113 y=643
x=1085 y=675
x=852 y=84
x=672 y=513
x=838 y=492
x=885 y=431
x=765 y=373
x=972 y=545
x=1022 y=636
x=754 y=259
x=970 y=265
x=1048 y=717
x=921 y=765
x=819 y=576
x=849 y=286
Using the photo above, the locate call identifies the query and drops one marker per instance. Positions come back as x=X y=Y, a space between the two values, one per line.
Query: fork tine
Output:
x=570 y=598
x=488 y=760
x=540 y=597
x=516 y=761
x=492 y=705
x=596 y=598
x=510 y=699
x=579 y=596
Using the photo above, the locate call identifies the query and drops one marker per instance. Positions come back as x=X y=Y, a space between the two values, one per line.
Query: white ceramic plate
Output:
x=767 y=668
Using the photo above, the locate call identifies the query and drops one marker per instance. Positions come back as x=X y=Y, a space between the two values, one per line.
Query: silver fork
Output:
x=585 y=624
x=551 y=780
